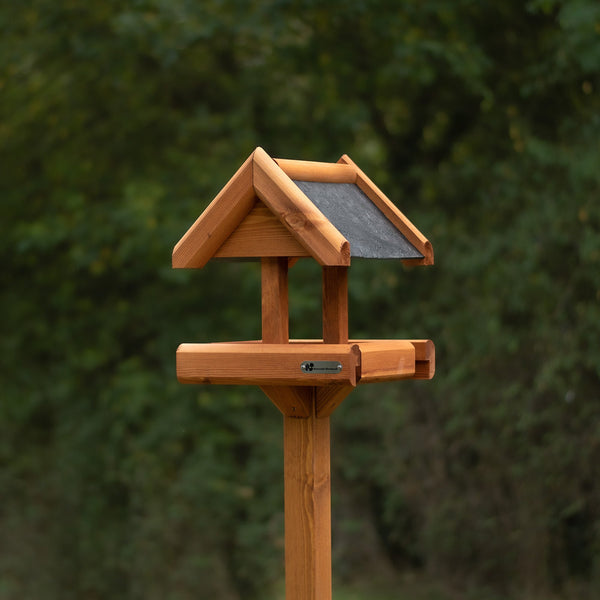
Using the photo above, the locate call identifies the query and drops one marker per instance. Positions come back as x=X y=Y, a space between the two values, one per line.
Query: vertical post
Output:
x=335 y=331
x=274 y=300
x=307 y=486
x=307 y=508
x=307 y=469
x=335 y=305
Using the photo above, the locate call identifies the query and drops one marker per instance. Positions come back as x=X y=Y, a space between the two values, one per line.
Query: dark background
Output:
x=120 y=121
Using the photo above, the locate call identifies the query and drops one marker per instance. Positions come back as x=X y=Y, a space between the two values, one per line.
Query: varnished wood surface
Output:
x=424 y=359
x=256 y=363
x=307 y=170
x=291 y=400
x=424 y=355
x=263 y=364
x=274 y=300
x=260 y=234
x=215 y=224
x=307 y=508
x=301 y=217
x=386 y=361
x=330 y=397
x=335 y=305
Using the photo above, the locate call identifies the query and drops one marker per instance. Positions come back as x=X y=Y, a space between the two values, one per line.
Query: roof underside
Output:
x=370 y=233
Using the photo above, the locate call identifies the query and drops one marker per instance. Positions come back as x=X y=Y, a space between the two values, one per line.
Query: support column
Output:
x=307 y=508
x=335 y=331
x=274 y=300
x=307 y=487
x=335 y=305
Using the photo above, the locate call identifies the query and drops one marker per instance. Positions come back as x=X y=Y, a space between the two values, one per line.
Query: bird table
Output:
x=278 y=211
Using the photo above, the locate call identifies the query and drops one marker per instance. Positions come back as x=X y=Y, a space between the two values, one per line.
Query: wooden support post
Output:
x=307 y=508
x=307 y=488
x=335 y=305
x=335 y=331
x=274 y=300
x=275 y=330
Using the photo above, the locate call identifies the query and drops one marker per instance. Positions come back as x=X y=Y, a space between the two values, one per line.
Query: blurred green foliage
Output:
x=120 y=121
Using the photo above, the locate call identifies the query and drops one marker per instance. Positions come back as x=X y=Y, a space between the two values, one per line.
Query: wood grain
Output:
x=260 y=234
x=307 y=508
x=274 y=300
x=335 y=305
x=306 y=170
x=330 y=397
x=424 y=359
x=263 y=364
x=386 y=361
x=215 y=224
x=424 y=355
x=292 y=401
x=393 y=214
x=299 y=215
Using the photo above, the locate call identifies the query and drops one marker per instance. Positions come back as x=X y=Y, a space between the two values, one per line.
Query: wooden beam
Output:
x=335 y=331
x=260 y=234
x=307 y=508
x=292 y=401
x=215 y=224
x=393 y=214
x=424 y=359
x=301 y=217
x=306 y=170
x=330 y=397
x=424 y=355
x=386 y=361
x=264 y=364
x=307 y=488
x=274 y=300
x=335 y=305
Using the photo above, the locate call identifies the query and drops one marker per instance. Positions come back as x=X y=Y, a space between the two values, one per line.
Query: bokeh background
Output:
x=120 y=121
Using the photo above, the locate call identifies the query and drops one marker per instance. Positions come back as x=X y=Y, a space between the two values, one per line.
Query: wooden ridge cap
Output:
x=298 y=214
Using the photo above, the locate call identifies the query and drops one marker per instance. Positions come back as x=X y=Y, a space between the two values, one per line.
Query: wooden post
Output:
x=335 y=305
x=335 y=331
x=307 y=469
x=307 y=486
x=307 y=508
x=274 y=300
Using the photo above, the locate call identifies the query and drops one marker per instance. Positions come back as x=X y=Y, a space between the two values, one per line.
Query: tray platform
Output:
x=263 y=364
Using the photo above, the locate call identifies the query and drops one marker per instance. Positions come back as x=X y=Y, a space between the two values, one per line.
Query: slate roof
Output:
x=370 y=233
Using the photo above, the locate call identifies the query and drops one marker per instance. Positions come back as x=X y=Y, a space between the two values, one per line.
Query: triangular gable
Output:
x=260 y=234
x=229 y=208
x=300 y=208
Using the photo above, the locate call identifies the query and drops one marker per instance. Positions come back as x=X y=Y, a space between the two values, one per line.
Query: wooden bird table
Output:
x=277 y=211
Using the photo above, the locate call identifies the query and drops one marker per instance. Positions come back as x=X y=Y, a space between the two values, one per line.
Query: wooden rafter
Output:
x=215 y=224
x=301 y=217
